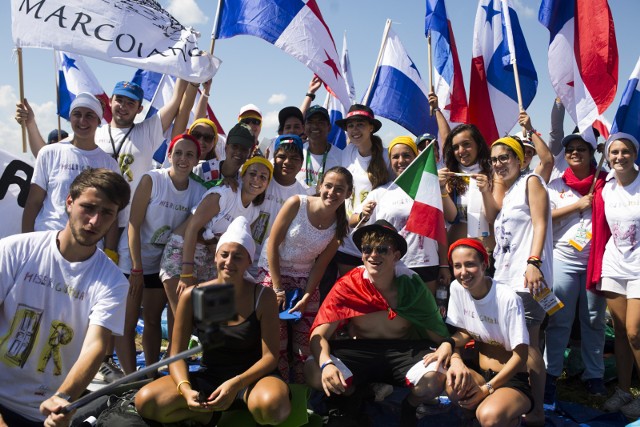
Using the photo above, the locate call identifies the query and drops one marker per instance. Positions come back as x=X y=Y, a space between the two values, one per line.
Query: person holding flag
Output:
x=425 y=256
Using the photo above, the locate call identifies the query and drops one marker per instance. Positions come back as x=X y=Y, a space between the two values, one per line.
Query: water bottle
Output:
x=442 y=295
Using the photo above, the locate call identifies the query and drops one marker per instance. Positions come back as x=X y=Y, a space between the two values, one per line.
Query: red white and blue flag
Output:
x=74 y=77
x=447 y=80
x=583 y=56
x=398 y=92
x=295 y=26
x=627 y=118
x=337 y=111
x=498 y=43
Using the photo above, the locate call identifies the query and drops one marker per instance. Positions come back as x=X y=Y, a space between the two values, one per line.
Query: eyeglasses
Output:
x=502 y=159
x=206 y=137
x=570 y=150
x=251 y=121
x=380 y=249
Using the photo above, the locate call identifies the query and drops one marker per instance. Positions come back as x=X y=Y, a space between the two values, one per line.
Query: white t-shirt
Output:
x=135 y=153
x=357 y=165
x=622 y=209
x=566 y=228
x=56 y=167
x=261 y=228
x=312 y=166
x=514 y=235
x=46 y=306
x=496 y=319
x=394 y=206
x=167 y=209
x=231 y=207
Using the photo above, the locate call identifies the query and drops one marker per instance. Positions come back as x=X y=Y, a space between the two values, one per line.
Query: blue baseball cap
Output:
x=295 y=140
x=130 y=90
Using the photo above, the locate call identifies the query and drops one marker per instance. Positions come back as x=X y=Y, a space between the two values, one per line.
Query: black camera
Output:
x=213 y=305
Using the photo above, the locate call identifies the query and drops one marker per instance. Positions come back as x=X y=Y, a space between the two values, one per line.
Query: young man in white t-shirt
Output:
x=60 y=301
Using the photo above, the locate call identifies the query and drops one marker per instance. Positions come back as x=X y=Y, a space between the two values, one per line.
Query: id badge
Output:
x=581 y=238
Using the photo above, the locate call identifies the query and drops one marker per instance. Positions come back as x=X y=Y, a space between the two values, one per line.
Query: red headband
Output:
x=359 y=113
x=473 y=243
x=184 y=136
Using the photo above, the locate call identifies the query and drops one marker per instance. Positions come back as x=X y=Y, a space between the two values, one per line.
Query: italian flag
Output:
x=420 y=182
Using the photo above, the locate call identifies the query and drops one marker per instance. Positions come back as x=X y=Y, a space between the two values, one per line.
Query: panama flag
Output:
x=447 y=79
x=420 y=182
x=295 y=26
x=398 y=92
x=583 y=56
x=497 y=42
x=337 y=111
x=627 y=118
x=74 y=77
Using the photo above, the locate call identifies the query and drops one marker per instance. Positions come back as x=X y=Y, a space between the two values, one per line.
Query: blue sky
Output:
x=254 y=71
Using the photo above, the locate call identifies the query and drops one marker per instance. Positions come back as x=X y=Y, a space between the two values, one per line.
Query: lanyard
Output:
x=309 y=172
x=116 y=153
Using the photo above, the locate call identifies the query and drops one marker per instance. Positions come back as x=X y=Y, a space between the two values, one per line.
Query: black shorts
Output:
x=427 y=274
x=151 y=281
x=520 y=382
x=386 y=361
x=346 y=259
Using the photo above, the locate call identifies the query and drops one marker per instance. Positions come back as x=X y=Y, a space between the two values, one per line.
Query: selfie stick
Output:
x=127 y=378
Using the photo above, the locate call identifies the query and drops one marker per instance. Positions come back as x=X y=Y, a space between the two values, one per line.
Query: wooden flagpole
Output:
x=216 y=22
x=21 y=89
x=55 y=70
x=430 y=68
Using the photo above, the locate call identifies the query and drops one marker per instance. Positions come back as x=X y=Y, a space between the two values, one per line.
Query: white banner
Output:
x=138 y=33
x=14 y=189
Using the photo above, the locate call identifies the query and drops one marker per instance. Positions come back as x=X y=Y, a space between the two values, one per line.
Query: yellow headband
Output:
x=514 y=145
x=206 y=122
x=250 y=115
x=406 y=140
x=260 y=160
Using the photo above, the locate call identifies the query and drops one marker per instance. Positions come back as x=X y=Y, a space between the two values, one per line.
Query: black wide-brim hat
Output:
x=363 y=112
x=384 y=227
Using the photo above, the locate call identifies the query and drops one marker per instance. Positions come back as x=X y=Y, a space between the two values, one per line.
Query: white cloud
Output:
x=10 y=131
x=523 y=9
x=277 y=99
x=269 y=123
x=187 y=12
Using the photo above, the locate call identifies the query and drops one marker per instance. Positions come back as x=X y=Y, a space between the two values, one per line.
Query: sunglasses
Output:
x=206 y=137
x=380 y=249
x=251 y=121
x=502 y=159
x=570 y=150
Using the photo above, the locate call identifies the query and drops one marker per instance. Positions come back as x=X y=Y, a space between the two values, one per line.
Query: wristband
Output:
x=136 y=272
x=194 y=84
x=311 y=95
x=113 y=255
x=444 y=195
x=204 y=94
x=180 y=383
x=490 y=388
x=188 y=263
x=436 y=109
x=450 y=341
x=186 y=276
x=444 y=266
x=62 y=395
x=325 y=364
x=531 y=132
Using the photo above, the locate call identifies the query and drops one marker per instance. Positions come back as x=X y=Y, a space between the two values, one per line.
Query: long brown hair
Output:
x=377 y=171
x=456 y=183
x=342 y=222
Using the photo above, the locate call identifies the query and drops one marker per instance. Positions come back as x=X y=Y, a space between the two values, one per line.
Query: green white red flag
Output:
x=420 y=182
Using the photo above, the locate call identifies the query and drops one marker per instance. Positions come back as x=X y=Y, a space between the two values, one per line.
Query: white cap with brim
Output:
x=621 y=135
x=249 y=107
x=86 y=100
x=239 y=231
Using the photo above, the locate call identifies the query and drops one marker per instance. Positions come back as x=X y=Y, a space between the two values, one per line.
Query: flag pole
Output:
x=21 y=89
x=595 y=177
x=55 y=70
x=430 y=68
x=214 y=32
x=387 y=26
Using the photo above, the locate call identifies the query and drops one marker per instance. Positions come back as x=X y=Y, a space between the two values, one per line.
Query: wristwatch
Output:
x=490 y=388
x=62 y=395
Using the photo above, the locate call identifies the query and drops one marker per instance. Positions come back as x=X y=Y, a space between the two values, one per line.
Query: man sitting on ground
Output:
x=391 y=321
x=61 y=298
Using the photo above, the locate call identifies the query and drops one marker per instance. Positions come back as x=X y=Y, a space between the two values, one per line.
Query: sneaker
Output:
x=632 y=409
x=550 y=388
x=381 y=391
x=595 y=387
x=109 y=372
x=618 y=400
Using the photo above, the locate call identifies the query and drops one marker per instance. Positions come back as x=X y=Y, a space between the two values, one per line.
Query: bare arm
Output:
x=545 y=167
x=32 y=207
x=449 y=208
x=82 y=372
x=139 y=205
x=581 y=205
x=443 y=125
x=203 y=102
x=182 y=330
x=24 y=114
x=315 y=275
x=170 y=109
x=539 y=206
x=314 y=85
x=182 y=117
